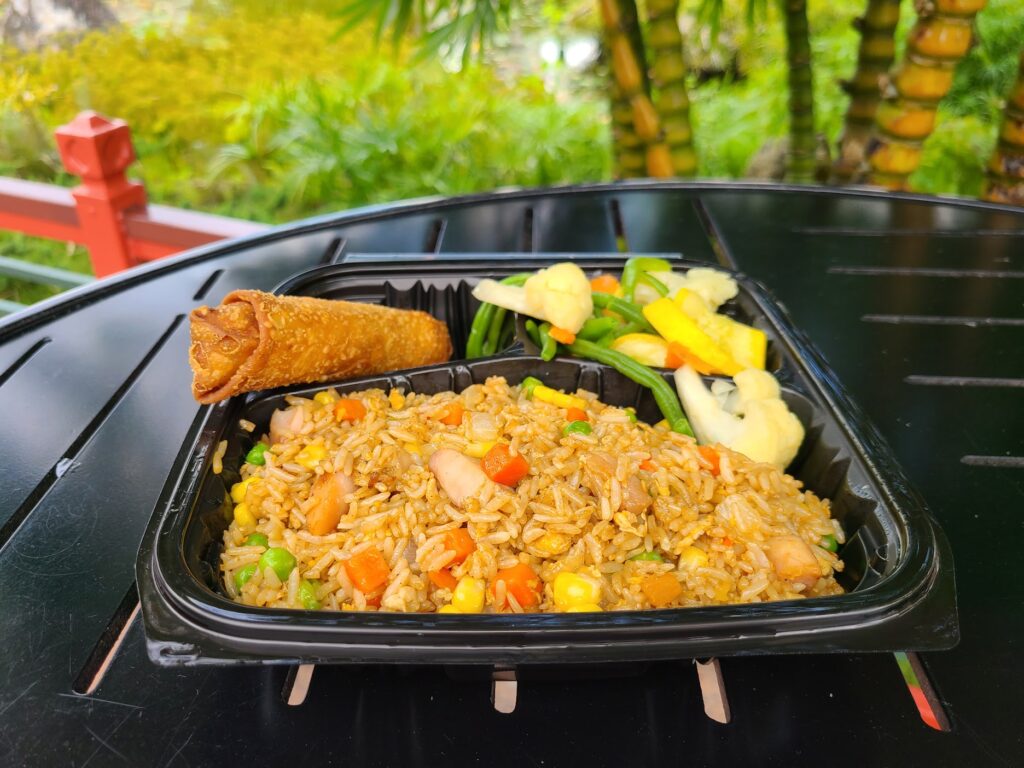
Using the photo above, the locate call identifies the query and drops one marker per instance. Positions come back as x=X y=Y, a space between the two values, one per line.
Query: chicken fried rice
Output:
x=510 y=499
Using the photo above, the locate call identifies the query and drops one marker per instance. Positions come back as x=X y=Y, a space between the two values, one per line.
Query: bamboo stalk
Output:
x=628 y=148
x=877 y=29
x=1006 y=168
x=906 y=115
x=668 y=74
x=800 y=162
x=629 y=76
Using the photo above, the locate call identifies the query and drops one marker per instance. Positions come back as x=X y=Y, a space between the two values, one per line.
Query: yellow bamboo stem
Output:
x=1006 y=168
x=906 y=117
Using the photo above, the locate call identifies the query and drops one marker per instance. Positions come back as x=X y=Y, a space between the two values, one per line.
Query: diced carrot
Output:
x=678 y=355
x=374 y=601
x=710 y=455
x=443 y=578
x=605 y=284
x=576 y=414
x=460 y=542
x=452 y=415
x=661 y=589
x=522 y=583
x=561 y=335
x=368 y=570
x=348 y=409
x=502 y=467
x=648 y=466
x=727 y=541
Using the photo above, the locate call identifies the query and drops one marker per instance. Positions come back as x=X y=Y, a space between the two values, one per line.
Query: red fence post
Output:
x=99 y=150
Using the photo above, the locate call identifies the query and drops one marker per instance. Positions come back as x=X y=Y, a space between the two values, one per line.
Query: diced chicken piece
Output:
x=287 y=421
x=793 y=560
x=459 y=476
x=635 y=498
x=599 y=468
x=329 y=492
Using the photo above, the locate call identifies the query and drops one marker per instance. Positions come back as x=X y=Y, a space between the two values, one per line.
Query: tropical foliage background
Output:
x=273 y=111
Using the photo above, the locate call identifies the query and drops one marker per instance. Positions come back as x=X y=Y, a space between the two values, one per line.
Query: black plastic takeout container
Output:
x=898 y=577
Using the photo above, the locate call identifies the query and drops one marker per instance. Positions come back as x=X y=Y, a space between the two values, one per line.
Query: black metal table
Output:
x=917 y=304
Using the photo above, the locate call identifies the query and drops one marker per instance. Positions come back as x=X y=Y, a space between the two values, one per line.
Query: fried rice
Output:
x=620 y=506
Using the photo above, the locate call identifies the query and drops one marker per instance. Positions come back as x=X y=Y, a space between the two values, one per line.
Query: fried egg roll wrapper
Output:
x=256 y=340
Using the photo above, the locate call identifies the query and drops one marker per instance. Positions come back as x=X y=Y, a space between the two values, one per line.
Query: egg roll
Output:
x=256 y=340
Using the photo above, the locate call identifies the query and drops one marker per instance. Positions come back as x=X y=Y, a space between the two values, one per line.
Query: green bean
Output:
x=596 y=327
x=548 y=346
x=641 y=374
x=533 y=331
x=654 y=282
x=635 y=267
x=508 y=334
x=494 y=331
x=622 y=330
x=627 y=309
x=479 y=330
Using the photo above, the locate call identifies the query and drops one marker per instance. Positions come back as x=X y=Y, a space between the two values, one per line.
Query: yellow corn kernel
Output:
x=572 y=589
x=396 y=399
x=693 y=557
x=413 y=448
x=311 y=455
x=324 y=398
x=238 y=490
x=560 y=399
x=722 y=591
x=553 y=543
x=663 y=424
x=585 y=608
x=479 y=450
x=468 y=596
x=447 y=609
x=244 y=516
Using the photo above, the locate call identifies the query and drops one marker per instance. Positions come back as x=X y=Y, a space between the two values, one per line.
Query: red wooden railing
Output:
x=107 y=213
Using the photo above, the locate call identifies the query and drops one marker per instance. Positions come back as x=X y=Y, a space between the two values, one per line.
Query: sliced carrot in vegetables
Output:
x=678 y=355
x=348 y=409
x=368 y=570
x=710 y=455
x=374 y=601
x=452 y=415
x=576 y=414
x=661 y=589
x=605 y=284
x=502 y=467
x=561 y=335
x=727 y=541
x=521 y=582
x=443 y=579
x=460 y=542
x=648 y=466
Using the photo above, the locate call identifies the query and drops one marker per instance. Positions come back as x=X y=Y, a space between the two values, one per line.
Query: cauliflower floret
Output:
x=750 y=418
x=559 y=294
x=714 y=287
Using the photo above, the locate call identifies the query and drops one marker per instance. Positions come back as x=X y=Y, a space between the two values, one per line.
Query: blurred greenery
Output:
x=273 y=111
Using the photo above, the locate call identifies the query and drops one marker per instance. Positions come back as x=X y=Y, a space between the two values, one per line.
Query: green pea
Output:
x=257 y=540
x=576 y=428
x=652 y=556
x=280 y=560
x=307 y=594
x=631 y=413
x=243 y=574
x=529 y=384
x=830 y=543
x=255 y=454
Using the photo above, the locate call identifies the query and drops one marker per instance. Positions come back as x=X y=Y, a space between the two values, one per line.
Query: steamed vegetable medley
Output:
x=650 y=318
